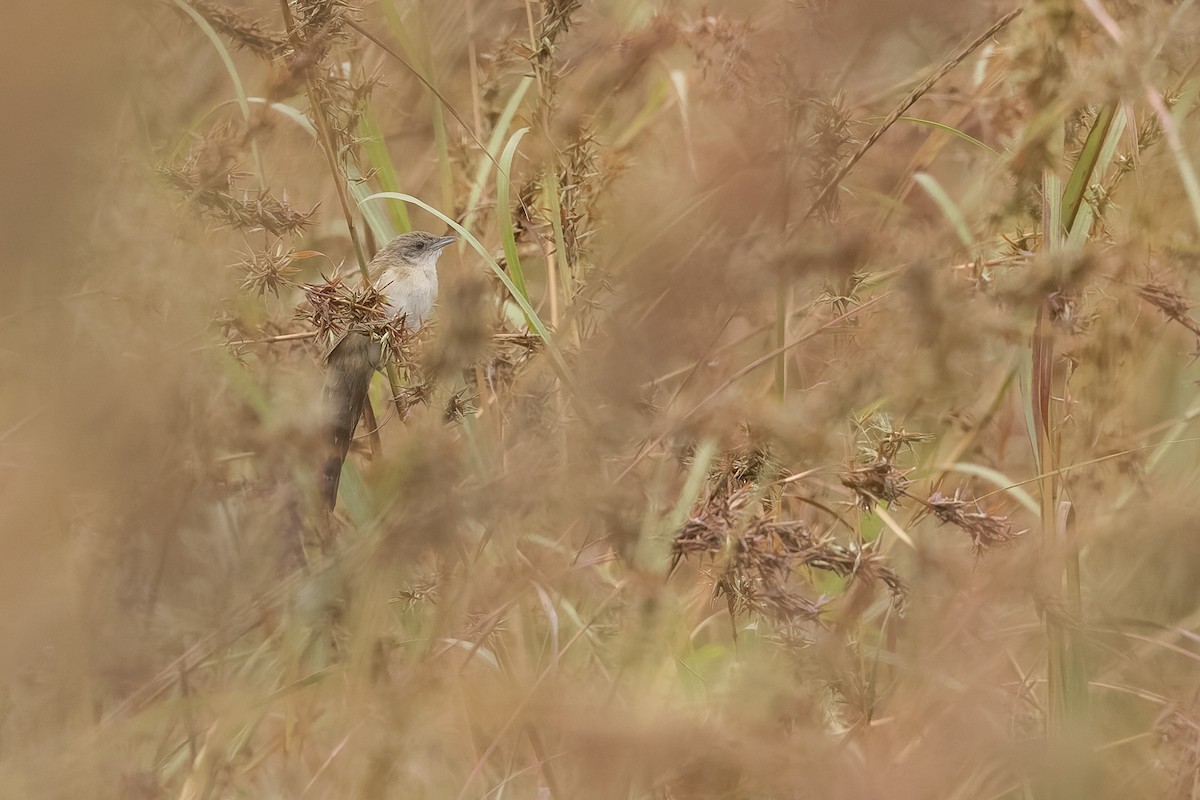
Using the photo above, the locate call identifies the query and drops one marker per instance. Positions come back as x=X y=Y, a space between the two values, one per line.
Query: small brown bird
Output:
x=405 y=270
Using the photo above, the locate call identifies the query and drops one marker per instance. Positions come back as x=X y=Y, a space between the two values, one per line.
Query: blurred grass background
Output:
x=809 y=411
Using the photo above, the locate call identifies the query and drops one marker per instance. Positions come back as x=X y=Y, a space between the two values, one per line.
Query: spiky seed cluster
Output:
x=327 y=15
x=269 y=270
x=414 y=393
x=245 y=33
x=892 y=440
x=460 y=405
x=876 y=482
x=556 y=20
x=986 y=530
x=875 y=478
x=582 y=180
x=421 y=590
x=755 y=558
x=334 y=308
x=831 y=137
x=1171 y=302
x=319 y=25
x=239 y=209
x=750 y=463
x=1064 y=310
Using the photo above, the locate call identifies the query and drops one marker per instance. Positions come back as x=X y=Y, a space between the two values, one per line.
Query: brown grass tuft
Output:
x=652 y=522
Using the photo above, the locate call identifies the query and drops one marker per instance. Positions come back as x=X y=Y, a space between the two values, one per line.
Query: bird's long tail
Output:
x=347 y=380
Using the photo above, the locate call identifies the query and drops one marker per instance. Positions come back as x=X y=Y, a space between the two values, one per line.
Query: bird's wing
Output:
x=330 y=344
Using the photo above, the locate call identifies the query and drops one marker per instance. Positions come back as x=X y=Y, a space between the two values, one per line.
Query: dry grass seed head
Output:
x=876 y=482
x=460 y=405
x=719 y=45
x=417 y=392
x=268 y=270
x=884 y=440
x=986 y=530
x=334 y=309
x=245 y=33
x=1173 y=304
x=239 y=209
x=583 y=177
x=1178 y=741
x=831 y=137
x=875 y=478
x=556 y=21
x=322 y=15
x=756 y=558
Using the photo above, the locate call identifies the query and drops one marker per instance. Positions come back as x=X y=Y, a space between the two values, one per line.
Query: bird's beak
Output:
x=443 y=241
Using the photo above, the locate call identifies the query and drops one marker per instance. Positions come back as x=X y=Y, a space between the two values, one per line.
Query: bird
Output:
x=405 y=271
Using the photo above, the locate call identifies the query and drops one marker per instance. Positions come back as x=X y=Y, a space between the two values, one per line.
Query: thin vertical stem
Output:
x=325 y=133
x=472 y=56
x=783 y=292
x=533 y=43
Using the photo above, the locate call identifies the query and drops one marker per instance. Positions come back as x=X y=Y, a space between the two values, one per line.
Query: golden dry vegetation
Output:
x=808 y=413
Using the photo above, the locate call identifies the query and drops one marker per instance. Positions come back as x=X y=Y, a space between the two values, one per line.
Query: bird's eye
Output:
x=420 y=245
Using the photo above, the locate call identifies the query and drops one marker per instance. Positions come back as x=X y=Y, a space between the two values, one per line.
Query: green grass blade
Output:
x=441 y=142
x=560 y=239
x=656 y=99
x=950 y=129
x=697 y=473
x=375 y=216
x=1172 y=125
x=1086 y=166
x=658 y=530
x=999 y=479
x=1052 y=211
x=948 y=207
x=1082 y=225
x=291 y=112
x=504 y=212
x=493 y=149
x=384 y=169
x=1174 y=436
x=223 y=52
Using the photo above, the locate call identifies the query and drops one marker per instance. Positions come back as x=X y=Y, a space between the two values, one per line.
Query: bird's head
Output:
x=418 y=249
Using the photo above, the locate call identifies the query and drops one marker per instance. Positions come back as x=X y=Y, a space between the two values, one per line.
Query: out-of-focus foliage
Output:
x=830 y=434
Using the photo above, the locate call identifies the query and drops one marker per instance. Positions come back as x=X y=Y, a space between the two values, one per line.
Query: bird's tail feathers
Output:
x=347 y=380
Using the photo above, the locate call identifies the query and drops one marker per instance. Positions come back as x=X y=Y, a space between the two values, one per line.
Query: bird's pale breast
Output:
x=412 y=295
